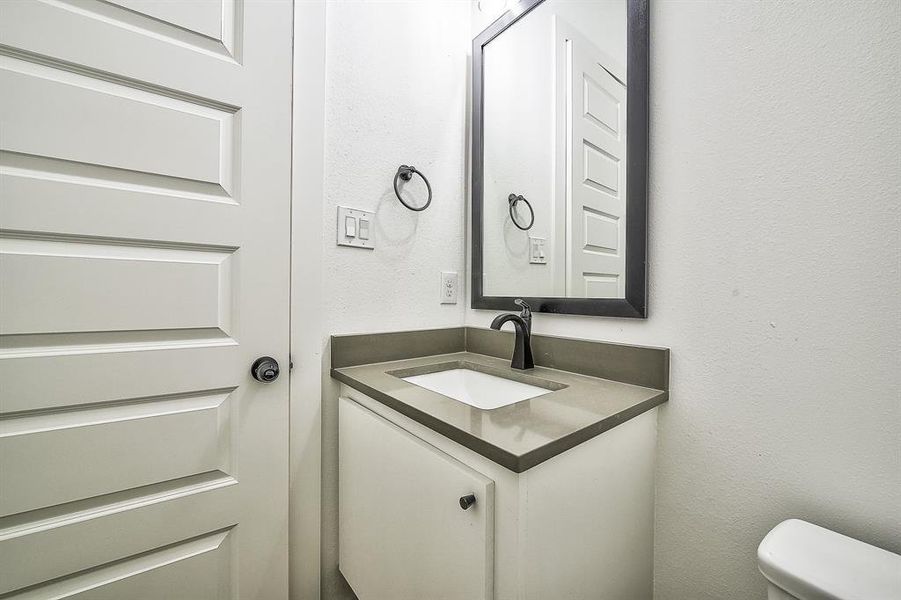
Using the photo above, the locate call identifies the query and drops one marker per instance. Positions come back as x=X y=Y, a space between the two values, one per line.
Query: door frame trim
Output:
x=307 y=341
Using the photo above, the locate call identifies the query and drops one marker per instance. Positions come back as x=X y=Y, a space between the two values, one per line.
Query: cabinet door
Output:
x=403 y=534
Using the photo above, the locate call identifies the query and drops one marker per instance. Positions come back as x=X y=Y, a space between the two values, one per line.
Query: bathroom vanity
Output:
x=465 y=475
x=460 y=477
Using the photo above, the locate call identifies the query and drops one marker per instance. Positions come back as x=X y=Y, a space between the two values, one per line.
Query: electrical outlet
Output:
x=448 y=287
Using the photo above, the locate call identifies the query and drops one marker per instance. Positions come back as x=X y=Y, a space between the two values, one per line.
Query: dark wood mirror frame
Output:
x=635 y=303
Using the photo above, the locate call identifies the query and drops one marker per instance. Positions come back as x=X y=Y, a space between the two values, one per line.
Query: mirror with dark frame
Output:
x=560 y=144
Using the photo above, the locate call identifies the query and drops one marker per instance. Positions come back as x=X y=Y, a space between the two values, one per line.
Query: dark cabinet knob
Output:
x=265 y=369
x=467 y=501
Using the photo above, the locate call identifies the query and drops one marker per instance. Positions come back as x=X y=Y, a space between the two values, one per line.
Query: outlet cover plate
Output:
x=449 y=281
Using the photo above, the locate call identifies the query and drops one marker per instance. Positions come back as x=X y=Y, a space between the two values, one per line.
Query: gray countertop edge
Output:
x=513 y=462
x=552 y=449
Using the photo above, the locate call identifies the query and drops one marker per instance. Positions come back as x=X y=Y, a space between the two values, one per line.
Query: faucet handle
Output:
x=526 y=309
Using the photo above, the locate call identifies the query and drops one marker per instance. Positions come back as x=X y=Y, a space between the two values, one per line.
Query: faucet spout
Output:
x=522 y=323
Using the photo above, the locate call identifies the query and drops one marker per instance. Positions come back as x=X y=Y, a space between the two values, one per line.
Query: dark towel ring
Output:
x=406 y=173
x=513 y=199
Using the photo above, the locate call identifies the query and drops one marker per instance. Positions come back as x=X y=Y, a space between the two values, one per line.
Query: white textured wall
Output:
x=396 y=93
x=775 y=273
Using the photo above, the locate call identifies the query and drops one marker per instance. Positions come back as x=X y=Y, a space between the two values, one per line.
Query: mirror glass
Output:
x=553 y=177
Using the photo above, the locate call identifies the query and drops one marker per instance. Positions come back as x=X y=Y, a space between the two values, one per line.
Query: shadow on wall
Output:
x=396 y=223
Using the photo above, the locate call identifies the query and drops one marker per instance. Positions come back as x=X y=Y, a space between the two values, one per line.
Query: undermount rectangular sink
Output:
x=475 y=388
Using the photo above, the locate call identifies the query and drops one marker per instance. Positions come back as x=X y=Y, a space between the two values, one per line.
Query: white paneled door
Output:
x=144 y=265
x=595 y=181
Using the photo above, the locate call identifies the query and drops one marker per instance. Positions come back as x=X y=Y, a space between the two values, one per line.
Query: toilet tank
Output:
x=813 y=563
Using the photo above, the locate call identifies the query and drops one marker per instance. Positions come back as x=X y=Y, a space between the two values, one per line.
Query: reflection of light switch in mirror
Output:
x=355 y=228
x=537 y=254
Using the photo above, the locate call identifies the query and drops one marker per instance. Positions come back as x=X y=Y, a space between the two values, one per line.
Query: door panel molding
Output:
x=223 y=42
x=168 y=577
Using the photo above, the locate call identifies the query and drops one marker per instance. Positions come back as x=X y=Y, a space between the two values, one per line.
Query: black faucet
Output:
x=522 y=350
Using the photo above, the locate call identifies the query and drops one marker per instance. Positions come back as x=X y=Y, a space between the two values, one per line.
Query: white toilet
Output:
x=805 y=562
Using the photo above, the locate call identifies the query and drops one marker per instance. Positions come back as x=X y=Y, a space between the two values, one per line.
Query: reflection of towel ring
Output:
x=406 y=173
x=513 y=199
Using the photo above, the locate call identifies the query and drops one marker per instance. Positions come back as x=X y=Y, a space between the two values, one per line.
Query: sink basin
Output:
x=476 y=388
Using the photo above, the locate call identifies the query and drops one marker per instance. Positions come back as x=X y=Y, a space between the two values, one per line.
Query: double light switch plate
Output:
x=537 y=251
x=356 y=228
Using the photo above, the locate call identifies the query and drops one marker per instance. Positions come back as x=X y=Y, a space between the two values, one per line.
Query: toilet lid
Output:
x=814 y=563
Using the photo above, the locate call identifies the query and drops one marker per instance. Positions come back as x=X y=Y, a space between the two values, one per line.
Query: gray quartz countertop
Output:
x=517 y=436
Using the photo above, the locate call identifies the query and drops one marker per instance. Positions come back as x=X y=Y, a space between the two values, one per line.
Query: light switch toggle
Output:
x=350 y=227
x=364 y=229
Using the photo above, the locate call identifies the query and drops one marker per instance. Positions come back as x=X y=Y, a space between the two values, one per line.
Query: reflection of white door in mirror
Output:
x=561 y=57
x=590 y=88
x=551 y=95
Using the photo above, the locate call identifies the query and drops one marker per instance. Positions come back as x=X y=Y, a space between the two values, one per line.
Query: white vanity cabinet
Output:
x=577 y=526
x=404 y=533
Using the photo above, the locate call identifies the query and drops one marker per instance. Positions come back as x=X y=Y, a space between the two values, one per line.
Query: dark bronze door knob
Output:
x=265 y=369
